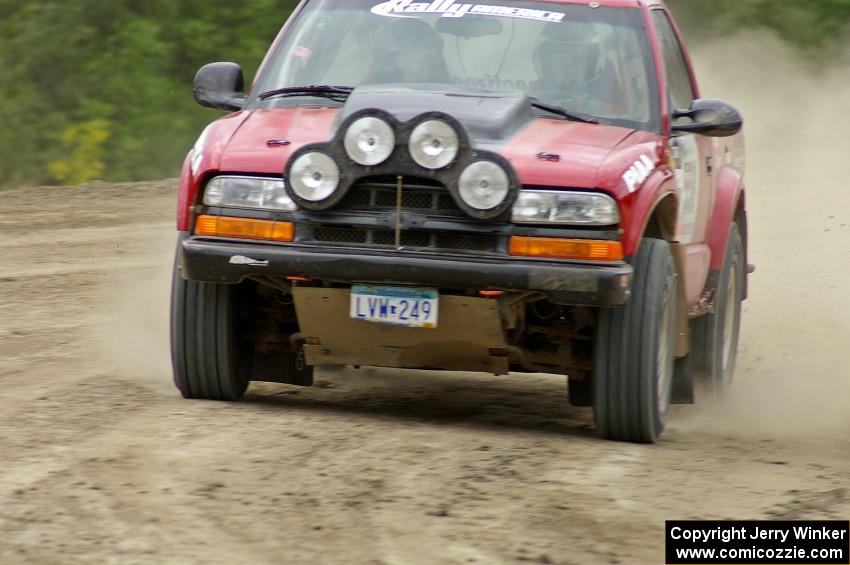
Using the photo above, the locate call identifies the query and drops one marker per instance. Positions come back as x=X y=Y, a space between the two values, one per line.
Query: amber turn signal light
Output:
x=491 y=293
x=558 y=248
x=244 y=228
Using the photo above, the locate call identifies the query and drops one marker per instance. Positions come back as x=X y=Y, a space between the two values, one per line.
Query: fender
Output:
x=190 y=184
x=202 y=160
x=184 y=194
x=642 y=204
x=729 y=193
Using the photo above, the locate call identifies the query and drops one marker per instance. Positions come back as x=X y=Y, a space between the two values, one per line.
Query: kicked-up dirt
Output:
x=101 y=461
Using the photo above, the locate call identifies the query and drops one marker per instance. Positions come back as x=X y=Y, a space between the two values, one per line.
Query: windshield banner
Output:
x=452 y=9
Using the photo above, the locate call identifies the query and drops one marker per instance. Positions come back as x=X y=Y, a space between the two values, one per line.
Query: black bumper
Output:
x=564 y=283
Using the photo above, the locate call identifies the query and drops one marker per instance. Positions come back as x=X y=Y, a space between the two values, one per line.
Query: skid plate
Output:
x=469 y=336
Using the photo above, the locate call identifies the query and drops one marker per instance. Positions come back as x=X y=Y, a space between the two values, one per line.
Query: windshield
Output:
x=593 y=61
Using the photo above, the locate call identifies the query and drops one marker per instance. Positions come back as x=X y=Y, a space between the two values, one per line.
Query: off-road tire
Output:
x=633 y=352
x=205 y=353
x=714 y=339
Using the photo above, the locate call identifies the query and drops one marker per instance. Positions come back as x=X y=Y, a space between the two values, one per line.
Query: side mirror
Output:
x=220 y=86
x=714 y=118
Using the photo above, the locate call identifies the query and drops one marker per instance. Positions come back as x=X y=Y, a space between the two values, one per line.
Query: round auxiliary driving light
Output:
x=314 y=176
x=434 y=144
x=369 y=141
x=484 y=185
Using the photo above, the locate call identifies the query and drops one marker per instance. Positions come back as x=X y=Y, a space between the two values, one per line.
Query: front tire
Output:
x=633 y=352
x=205 y=351
x=714 y=337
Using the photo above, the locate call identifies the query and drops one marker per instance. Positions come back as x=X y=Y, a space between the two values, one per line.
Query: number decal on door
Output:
x=686 y=159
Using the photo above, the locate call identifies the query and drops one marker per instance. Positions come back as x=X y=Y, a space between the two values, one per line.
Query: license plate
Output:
x=395 y=305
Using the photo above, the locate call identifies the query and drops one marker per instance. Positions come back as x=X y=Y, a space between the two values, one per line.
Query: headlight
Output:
x=558 y=207
x=369 y=141
x=248 y=192
x=484 y=185
x=314 y=176
x=434 y=144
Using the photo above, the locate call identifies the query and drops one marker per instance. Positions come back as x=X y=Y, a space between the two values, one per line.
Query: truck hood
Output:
x=544 y=151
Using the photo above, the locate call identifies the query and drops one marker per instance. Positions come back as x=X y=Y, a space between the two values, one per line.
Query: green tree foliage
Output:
x=808 y=24
x=102 y=88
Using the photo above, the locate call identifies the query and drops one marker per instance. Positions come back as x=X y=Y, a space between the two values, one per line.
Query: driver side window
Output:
x=679 y=82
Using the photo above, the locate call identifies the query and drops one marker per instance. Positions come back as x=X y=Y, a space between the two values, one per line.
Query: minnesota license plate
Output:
x=395 y=305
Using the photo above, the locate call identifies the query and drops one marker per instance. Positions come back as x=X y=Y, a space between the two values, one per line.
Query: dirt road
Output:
x=102 y=462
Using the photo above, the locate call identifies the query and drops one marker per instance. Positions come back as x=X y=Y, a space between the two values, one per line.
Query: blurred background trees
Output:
x=808 y=24
x=101 y=89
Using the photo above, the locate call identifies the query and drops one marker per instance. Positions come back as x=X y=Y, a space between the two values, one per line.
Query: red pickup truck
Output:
x=510 y=186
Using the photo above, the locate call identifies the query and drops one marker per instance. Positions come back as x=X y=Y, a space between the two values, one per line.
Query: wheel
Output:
x=633 y=352
x=205 y=353
x=714 y=337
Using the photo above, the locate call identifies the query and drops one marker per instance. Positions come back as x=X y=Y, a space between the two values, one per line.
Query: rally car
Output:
x=511 y=186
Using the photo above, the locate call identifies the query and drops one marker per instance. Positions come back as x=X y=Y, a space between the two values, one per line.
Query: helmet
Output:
x=408 y=50
x=568 y=55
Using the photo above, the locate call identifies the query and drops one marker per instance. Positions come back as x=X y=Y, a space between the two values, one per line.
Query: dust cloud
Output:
x=793 y=376
x=132 y=338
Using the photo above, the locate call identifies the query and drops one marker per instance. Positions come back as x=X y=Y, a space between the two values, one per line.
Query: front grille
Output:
x=328 y=234
x=380 y=238
x=420 y=196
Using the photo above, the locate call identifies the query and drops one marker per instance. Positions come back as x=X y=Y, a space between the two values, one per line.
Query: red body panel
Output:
x=730 y=194
x=584 y=151
x=637 y=208
x=248 y=148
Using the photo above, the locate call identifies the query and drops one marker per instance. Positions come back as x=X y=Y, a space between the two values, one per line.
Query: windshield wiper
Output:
x=339 y=93
x=563 y=112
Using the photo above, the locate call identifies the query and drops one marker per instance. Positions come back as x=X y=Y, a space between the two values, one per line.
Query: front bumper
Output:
x=230 y=262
